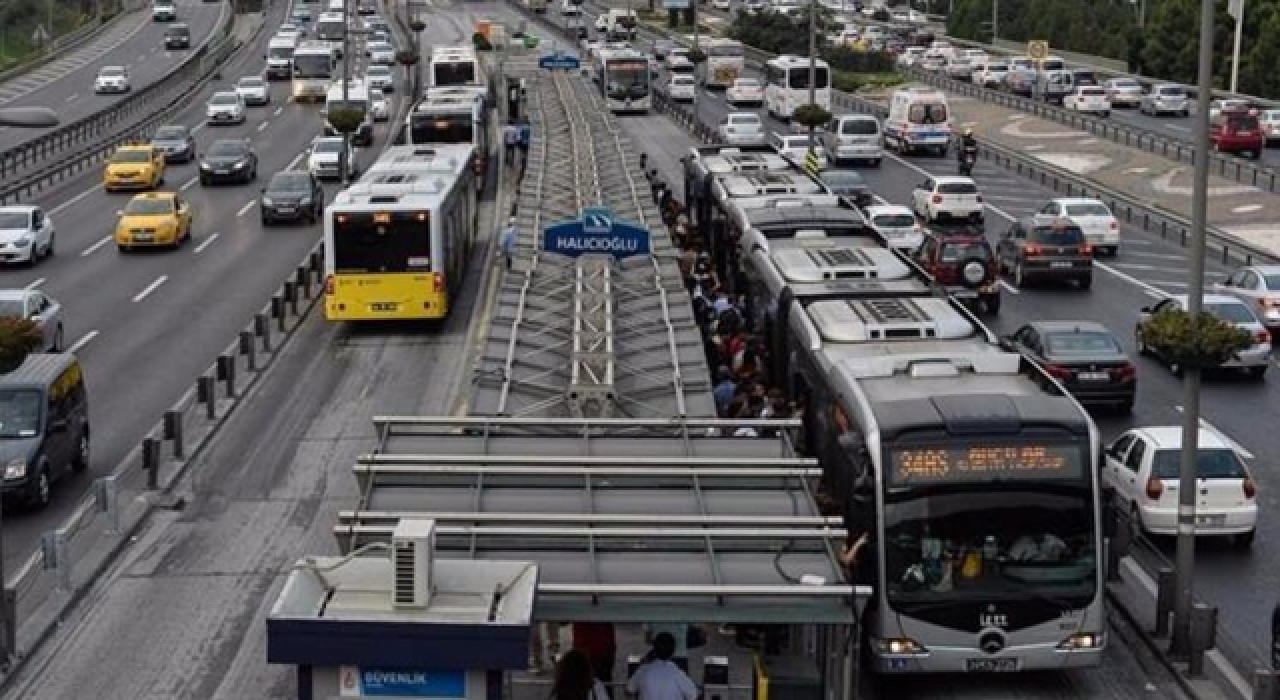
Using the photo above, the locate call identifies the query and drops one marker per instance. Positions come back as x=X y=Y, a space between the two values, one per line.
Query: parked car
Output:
x=1253 y=360
x=741 y=129
x=1258 y=286
x=253 y=89
x=176 y=142
x=947 y=197
x=225 y=108
x=1143 y=468
x=1084 y=356
x=1045 y=248
x=961 y=260
x=292 y=195
x=112 y=80
x=1124 y=92
x=229 y=160
x=896 y=224
x=745 y=91
x=1101 y=228
x=1165 y=99
x=39 y=308
x=1089 y=99
x=26 y=234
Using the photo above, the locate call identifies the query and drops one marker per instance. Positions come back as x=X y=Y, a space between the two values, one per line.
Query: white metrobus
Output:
x=450 y=116
x=313 y=69
x=355 y=96
x=787 y=85
x=331 y=28
x=455 y=66
x=725 y=62
x=624 y=80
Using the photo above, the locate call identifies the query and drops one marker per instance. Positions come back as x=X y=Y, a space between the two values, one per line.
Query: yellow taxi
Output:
x=134 y=167
x=154 y=219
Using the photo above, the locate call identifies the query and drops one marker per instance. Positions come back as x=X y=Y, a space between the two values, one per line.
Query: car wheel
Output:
x=80 y=462
x=1019 y=276
x=1125 y=407
x=266 y=221
x=1142 y=344
x=48 y=250
x=1085 y=282
x=58 y=345
x=1245 y=539
x=1258 y=373
x=1106 y=114
x=41 y=490
x=122 y=248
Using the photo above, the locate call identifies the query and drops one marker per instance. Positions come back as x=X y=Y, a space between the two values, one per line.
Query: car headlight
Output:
x=205 y=166
x=15 y=469
x=266 y=202
x=305 y=201
x=240 y=164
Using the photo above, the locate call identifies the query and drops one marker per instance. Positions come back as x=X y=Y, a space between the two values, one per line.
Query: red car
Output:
x=961 y=260
x=1237 y=132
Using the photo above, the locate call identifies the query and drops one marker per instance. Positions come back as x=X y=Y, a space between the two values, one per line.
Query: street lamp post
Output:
x=813 y=67
x=346 y=83
x=1236 y=9
x=1185 y=557
x=995 y=20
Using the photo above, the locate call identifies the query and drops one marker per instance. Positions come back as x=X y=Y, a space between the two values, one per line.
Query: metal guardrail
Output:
x=1229 y=167
x=24 y=167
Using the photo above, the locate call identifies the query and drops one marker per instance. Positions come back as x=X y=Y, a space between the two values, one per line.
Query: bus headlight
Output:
x=898 y=646
x=1084 y=641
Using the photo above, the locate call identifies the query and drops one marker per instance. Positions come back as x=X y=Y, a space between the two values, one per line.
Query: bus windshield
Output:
x=627 y=79
x=330 y=29
x=441 y=128
x=285 y=52
x=730 y=50
x=799 y=78
x=313 y=65
x=381 y=242
x=463 y=73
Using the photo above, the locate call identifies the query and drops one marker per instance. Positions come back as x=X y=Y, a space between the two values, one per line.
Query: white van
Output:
x=919 y=120
x=339 y=6
x=620 y=24
x=854 y=137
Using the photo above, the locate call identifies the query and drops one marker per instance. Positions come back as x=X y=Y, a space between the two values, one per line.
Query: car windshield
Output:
x=14 y=219
x=963 y=250
x=378 y=70
x=227 y=148
x=327 y=147
x=1243 y=122
x=1211 y=463
x=957 y=188
x=1092 y=92
x=859 y=127
x=290 y=182
x=841 y=179
x=1056 y=235
x=1127 y=84
x=744 y=120
x=1088 y=209
x=223 y=98
x=149 y=205
x=12 y=308
x=1272 y=281
x=251 y=82
x=131 y=155
x=1169 y=92
x=171 y=133
x=747 y=84
x=927 y=113
x=1081 y=343
x=1234 y=312
x=894 y=220
x=110 y=72
x=19 y=412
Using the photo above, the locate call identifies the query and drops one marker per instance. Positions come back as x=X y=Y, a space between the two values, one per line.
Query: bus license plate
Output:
x=384 y=306
x=991 y=665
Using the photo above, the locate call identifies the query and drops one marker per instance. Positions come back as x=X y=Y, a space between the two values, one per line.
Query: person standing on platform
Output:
x=658 y=678
x=511 y=139
x=526 y=137
x=598 y=641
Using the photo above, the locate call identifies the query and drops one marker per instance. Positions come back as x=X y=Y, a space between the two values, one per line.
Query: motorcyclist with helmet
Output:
x=966 y=152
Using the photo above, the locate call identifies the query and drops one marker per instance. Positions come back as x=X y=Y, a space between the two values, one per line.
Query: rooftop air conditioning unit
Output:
x=413 y=544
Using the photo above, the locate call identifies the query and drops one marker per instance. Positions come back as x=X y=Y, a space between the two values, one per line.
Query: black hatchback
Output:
x=177 y=36
x=229 y=160
x=292 y=195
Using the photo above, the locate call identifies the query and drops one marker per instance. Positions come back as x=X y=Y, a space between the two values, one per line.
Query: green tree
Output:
x=1203 y=342
x=345 y=120
x=19 y=337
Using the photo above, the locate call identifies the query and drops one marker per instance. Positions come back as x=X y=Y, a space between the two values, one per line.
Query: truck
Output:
x=280 y=57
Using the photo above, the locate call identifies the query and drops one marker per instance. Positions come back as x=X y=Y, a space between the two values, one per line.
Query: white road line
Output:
x=1153 y=291
x=189 y=184
x=94 y=248
x=75 y=199
x=1009 y=287
x=198 y=127
x=207 y=242
x=263 y=126
x=1176 y=127
x=84 y=340
x=71 y=97
x=1160 y=256
x=1140 y=266
x=278 y=111
x=295 y=160
x=35 y=284
x=1206 y=425
x=150 y=288
x=247 y=205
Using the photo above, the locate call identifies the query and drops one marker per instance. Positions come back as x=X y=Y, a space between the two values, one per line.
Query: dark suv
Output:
x=177 y=36
x=961 y=259
x=1046 y=248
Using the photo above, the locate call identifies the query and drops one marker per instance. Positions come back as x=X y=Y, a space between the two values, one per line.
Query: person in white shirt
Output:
x=659 y=678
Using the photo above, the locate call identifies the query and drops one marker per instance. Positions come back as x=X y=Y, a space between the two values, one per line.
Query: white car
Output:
x=380 y=77
x=1089 y=99
x=112 y=79
x=26 y=234
x=1124 y=92
x=992 y=74
x=741 y=129
x=379 y=105
x=910 y=56
x=1143 y=466
x=745 y=91
x=253 y=90
x=381 y=53
x=959 y=68
x=947 y=197
x=1100 y=227
x=1165 y=99
x=1269 y=120
x=163 y=11
x=289 y=32
x=682 y=88
x=795 y=148
x=225 y=108
x=854 y=137
x=37 y=307
x=897 y=224
x=1252 y=360
x=324 y=159
x=677 y=57
x=722 y=5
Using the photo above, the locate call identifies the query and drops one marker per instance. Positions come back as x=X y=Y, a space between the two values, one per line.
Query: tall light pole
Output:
x=1236 y=9
x=813 y=68
x=1185 y=557
x=346 y=80
x=995 y=20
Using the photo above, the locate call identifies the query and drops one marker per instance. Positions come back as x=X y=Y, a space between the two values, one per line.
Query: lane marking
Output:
x=35 y=284
x=94 y=248
x=189 y=184
x=207 y=242
x=72 y=97
x=84 y=340
x=75 y=199
x=1149 y=289
x=295 y=160
x=1177 y=127
x=278 y=111
x=245 y=208
x=1009 y=287
x=1210 y=427
x=263 y=126
x=150 y=288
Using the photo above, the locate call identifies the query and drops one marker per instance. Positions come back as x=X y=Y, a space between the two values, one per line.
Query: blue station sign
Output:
x=558 y=60
x=596 y=232
x=402 y=683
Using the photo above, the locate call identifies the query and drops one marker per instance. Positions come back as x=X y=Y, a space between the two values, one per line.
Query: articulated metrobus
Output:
x=313 y=71
x=725 y=62
x=452 y=115
x=624 y=80
x=397 y=242
x=331 y=27
x=787 y=85
x=970 y=469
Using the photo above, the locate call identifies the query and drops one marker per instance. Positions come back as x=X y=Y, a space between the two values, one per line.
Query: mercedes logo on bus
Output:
x=992 y=642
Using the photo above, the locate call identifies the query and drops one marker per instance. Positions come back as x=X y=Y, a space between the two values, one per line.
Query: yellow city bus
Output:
x=397 y=242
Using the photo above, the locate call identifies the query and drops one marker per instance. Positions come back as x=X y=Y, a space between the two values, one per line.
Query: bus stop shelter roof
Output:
x=629 y=520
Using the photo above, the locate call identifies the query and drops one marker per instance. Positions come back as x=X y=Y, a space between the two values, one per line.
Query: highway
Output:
x=146 y=324
x=136 y=42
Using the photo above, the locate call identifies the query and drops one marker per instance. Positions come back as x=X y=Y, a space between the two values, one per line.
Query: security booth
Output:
x=405 y=625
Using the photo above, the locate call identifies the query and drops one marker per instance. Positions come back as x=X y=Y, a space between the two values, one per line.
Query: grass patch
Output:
x=848 y=81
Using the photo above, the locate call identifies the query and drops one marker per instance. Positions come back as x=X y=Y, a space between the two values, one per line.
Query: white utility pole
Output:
x=1236 y=9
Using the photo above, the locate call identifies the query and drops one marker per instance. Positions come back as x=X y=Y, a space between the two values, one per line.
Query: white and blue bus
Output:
x=624 y=80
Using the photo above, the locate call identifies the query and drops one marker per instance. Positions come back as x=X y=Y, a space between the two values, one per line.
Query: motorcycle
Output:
x=968 y=157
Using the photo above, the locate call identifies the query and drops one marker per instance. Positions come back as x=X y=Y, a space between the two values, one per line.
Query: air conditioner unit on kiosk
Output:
x=413 y=544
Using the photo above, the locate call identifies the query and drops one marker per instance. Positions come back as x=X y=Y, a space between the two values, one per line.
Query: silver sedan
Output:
x=34 y=305
x=1259 y=287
